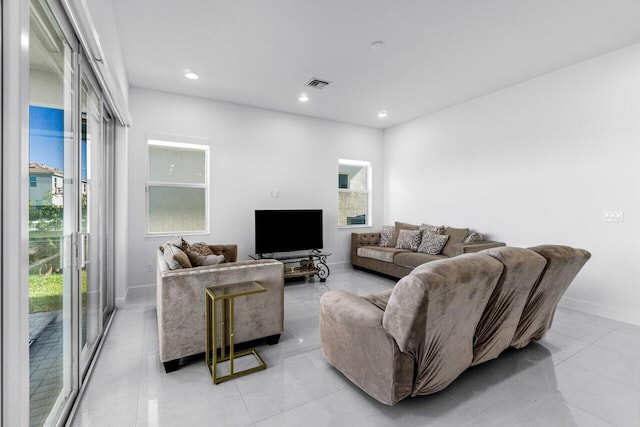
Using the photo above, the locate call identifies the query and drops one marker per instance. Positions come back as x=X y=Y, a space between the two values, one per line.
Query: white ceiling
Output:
x=438 y=52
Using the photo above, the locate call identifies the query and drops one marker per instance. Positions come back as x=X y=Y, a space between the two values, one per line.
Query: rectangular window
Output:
x=33 y=181
x=177 y=187
x=354 y=193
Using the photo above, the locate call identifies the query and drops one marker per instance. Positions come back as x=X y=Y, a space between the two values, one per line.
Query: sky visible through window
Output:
x=46 y=138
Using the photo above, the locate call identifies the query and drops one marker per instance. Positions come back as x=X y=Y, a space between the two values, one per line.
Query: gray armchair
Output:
x=180 y=304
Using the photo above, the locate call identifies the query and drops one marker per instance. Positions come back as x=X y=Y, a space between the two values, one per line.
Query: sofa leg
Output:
x=273 y=339
x=171 y=365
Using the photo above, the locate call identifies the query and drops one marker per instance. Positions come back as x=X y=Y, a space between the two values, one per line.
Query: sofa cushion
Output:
x=432 y=243
x=563 y=264
x=438 y=229
x=414 y=259
x=500 y=318
x=396 y=232
x=386 y=234
x=379 y=253
x=456 y=236
x=409 y=239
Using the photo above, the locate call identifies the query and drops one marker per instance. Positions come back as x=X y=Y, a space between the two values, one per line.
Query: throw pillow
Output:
x=386 y=235
x=198 y=260
x=432 y=243
x=179 y=242
x=473 y=237
x=175 y=257
x=396 y=232
x=201 y=248
x=438 y=229
x=457 y=236
x=409 y=239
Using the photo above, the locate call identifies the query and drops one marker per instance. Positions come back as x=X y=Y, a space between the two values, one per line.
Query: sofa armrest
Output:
x=363 y=239
x=466 y=248
x=354 y=341
x=230 y=252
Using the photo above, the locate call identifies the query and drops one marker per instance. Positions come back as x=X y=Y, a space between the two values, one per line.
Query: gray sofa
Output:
x=180 y=303
x=445 y=316
x=366 y=252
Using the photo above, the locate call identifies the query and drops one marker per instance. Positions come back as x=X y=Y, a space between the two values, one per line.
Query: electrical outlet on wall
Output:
x=149 y=267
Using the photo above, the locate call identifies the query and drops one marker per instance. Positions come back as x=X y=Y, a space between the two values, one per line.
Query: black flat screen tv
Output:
x=288 y=230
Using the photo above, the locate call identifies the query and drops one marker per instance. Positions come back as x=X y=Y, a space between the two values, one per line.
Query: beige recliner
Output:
x=180 y=303
x=444 y=317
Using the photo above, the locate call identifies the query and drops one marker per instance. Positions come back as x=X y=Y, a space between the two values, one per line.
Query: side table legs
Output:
x=225 y=334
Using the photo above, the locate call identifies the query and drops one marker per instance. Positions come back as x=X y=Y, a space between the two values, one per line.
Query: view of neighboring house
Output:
x=46 y=185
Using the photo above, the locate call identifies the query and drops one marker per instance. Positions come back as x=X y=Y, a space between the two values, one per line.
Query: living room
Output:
x=539 y=161
x=539 y=152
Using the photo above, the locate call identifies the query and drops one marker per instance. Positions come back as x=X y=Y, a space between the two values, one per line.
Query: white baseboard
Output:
x=132 y=290
x=626 y=316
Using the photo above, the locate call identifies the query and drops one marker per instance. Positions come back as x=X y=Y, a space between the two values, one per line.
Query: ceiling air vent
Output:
x=317 y=83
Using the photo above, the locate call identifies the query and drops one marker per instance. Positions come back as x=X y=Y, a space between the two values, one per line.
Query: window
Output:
x=177 y=187
x=33 y=181
x=354 y=193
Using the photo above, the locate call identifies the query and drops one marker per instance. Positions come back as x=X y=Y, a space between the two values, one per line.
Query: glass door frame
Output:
x=93 y=233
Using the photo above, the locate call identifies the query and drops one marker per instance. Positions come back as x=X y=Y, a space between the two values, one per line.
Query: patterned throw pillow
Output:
x=473 y=237
x=385 y=235
x=179 y=242
x=201 y=248
x=438 y=229
x=432 y=243
x=409 y=239
x=198 y=260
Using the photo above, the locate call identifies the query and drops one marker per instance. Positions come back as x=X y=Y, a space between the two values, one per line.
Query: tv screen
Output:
x=288 y=230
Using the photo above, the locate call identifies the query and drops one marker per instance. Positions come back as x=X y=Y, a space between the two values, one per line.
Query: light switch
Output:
x=612 y=216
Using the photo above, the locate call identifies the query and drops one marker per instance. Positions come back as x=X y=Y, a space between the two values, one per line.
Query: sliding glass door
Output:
x=69 y=220
x=52 y=215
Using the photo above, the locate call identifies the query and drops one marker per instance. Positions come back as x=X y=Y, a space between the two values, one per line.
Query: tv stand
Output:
x=301 y=265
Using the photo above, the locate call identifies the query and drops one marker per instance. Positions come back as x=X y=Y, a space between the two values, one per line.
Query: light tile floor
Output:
x=586 y=372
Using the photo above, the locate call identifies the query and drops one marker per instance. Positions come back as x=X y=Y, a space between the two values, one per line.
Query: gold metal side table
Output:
x=225 y=295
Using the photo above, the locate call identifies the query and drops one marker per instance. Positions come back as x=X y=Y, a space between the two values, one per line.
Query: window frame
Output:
x=197 y=144
x=369 y=191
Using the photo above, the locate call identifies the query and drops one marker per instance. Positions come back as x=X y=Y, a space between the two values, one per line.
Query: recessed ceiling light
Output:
x=382 y=114
x=190 y=75
x=303 y=97
x=377 y=45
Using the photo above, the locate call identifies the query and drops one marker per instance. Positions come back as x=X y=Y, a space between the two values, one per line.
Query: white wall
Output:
x=253 y=152
x=536 y=163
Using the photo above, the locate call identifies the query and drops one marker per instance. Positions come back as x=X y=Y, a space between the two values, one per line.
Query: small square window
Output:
x=354 y=193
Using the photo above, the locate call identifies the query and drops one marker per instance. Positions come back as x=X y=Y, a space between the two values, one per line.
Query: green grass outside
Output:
x=45 y=292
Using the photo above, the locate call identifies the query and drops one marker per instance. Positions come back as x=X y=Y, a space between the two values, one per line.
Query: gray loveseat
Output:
x=444 y=317
x=366 y=252
x=180 y=303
